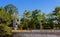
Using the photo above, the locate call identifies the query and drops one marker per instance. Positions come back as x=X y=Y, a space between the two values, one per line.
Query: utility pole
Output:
x=41 y=24
x=14 y=22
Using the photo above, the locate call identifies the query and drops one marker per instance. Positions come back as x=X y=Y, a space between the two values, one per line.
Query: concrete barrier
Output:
x=37 y=33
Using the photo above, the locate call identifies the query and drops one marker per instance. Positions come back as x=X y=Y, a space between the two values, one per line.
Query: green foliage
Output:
x=38 y=20
x=5 y=18
x=31 y=19
x=12 y=12
x=11 y=9
x=5 y=30
x=5 y=21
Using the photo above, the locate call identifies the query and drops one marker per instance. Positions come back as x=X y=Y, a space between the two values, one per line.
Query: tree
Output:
x=36 y=19
x=32 y=20
x=5 y=20
x=5 y=30
x=13 y=11
x=57 y=17
x=50 y=21
x=43 y=20
x=24 y=23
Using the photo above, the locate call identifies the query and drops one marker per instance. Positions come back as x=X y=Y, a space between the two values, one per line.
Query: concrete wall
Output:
x=38 y=33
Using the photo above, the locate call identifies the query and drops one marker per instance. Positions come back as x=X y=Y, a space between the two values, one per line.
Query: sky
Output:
x=46 y=6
